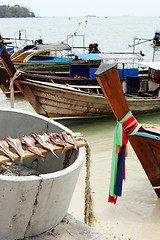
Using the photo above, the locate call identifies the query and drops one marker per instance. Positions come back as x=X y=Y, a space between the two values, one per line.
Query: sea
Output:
x=136 y=215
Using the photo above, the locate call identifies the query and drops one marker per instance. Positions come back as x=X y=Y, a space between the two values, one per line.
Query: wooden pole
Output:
x=6 y=60
x=28 y=154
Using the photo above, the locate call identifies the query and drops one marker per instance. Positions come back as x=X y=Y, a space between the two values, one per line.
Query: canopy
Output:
x=153 y=65
x=62 y=46
x=109 y=56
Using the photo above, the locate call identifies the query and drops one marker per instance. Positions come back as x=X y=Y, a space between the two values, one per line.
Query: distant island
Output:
x=7 y=11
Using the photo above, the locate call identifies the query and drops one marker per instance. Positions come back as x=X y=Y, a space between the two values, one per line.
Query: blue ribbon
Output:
x=120 y=171
x=2 y=48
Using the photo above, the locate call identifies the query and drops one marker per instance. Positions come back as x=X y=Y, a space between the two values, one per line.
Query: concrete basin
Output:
x=30 y=205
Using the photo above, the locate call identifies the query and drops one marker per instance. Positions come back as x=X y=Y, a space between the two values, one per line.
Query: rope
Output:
x=11 y=88
x=89 y=217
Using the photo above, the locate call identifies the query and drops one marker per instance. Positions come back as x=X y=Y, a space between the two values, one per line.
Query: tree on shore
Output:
x=14 y=11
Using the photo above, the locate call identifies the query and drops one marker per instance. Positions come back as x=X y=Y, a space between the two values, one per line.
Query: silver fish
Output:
x=4 y=148
x=69 y=138
x=57 y=139
x=44 y=141
x=16 y=144
x=29 y=143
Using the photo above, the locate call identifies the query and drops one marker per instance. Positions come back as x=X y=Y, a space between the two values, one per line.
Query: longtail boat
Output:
x=73 y=99
x=146 y=143
x=64 y=97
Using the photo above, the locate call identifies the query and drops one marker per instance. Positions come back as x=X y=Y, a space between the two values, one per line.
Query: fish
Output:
x=29 y=143
x=68 y=137
x=44 y=141
x=57 y=139
x=4 y=148
x=15 y=143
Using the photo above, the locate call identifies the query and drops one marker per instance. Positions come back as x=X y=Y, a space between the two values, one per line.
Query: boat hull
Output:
x=56 y=100
x=51 y=66
x=30 y=205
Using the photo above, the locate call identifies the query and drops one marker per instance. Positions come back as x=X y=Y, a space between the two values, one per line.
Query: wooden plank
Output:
x=31 y=98
x=29 y=154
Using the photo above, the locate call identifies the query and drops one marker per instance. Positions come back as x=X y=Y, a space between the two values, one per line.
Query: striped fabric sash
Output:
x=128 y=125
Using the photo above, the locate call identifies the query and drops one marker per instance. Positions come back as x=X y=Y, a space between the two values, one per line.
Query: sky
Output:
x=88 y=7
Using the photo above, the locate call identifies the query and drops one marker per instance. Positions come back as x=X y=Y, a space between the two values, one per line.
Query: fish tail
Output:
x=54 y=153
x=21 y=160
x=42 y=157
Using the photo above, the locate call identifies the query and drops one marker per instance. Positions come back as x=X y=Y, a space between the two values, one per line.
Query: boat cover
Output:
x=109 y=56
x=62 y=46
x=153 y=65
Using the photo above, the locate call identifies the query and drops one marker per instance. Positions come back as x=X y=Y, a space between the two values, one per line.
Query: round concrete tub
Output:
x=30 y=205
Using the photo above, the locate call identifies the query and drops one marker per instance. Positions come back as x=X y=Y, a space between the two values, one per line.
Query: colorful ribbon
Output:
x=2 y=48
x=128 y=125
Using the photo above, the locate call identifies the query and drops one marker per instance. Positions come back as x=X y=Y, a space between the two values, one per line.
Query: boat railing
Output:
x=71 y=38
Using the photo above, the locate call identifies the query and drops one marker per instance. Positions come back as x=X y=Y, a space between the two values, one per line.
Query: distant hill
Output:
x=14 y=12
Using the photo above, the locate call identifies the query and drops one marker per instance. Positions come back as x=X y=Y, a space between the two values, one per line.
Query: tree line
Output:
x=7 y=11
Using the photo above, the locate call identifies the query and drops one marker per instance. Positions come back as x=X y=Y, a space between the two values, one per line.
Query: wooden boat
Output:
x=79 y=73
x=48 y=190
x=76 y=97
x=58 y=100
x=73 y=100
x=43 y=76
x=84 y=71
x=43 y=56
x=49 y=57
x=146 y=143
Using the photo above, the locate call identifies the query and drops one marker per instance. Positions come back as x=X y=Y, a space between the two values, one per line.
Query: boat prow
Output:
x=146 y=144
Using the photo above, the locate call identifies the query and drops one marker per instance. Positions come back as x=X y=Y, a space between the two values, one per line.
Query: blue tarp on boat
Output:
x=87 y=71
x=92 y=72
x=80 y=70
x=56 y=59
x=128 y=72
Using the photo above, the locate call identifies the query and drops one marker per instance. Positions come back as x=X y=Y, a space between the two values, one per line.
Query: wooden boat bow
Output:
x=105 y=75
x=6 y=59
x=146 y=144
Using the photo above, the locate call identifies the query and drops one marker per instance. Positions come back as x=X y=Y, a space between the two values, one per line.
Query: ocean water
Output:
x=113 y=34
x=136 y=215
